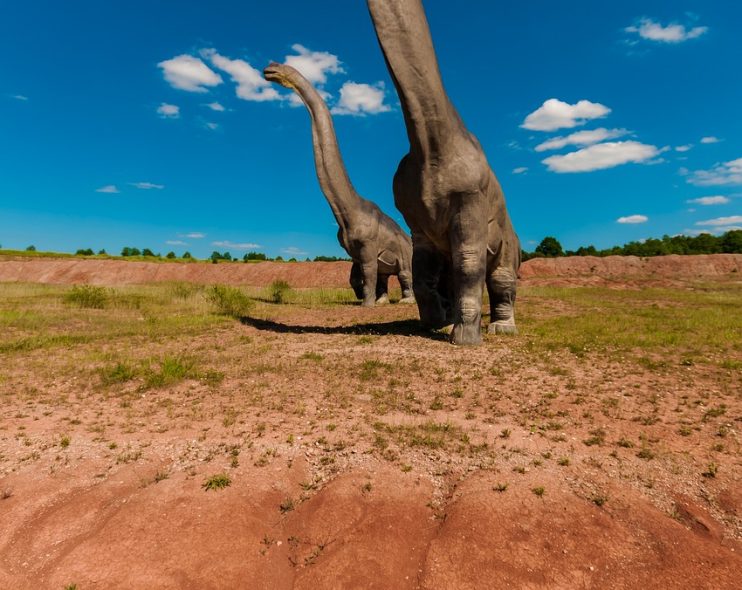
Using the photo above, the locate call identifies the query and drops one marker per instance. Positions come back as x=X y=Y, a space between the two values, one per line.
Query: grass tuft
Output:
x=216 y=482
x=87 y=296
x=229 y=301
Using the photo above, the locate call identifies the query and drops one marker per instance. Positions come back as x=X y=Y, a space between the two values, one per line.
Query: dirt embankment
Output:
x=587 y=269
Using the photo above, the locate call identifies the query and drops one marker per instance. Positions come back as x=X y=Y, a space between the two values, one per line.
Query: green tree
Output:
x=731 y=242
x=170 y=255
x=187 y=255
x=31 y=248
x=550 y=247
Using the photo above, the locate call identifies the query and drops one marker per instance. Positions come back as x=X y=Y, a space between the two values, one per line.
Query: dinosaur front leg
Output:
x=501 y=289
x=468 y=238
x=427 y=266
x=369 y=270
x=356 y=280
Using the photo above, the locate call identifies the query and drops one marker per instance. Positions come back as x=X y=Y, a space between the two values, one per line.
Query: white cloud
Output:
x=651 y=30
x=710 y=139
x=145 y=186
x=314 y=65
x=189 y=73
x=361 y=99
x=633 y=219
x=684 y=148
x=235 y=245
x=587 y=137
x=294 y=251
x=20 y=97
x=555 y=114
x=250 y=82
x=721 y=174
x=722 y=221
x=715 y=200
x=215 y=106
x=176 y=243
x=211 y=126
x=601 y=156
x=194 y=235
x=168 y=111
x=109 y=188
x=520 y=170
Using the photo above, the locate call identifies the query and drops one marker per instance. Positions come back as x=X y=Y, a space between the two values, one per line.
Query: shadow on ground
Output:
x=395 y=328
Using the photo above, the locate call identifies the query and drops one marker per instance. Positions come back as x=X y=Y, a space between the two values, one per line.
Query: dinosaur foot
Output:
x=407 y=300
x=466 y=334
x=383 y=300
x=502 y=328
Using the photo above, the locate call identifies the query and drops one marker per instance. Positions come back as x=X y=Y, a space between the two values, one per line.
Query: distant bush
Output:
x=31 y=248
x=128 y=251
x=329 y=259
x=170 y=255
x=217 y=256
x=87 y=296
x=254 y=256
x=85 y=252
x=280 y=291
x=229 y=300
x=550 y=247
x=148 y=252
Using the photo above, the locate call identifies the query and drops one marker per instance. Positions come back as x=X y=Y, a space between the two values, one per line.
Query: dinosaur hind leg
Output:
x=501 y=289
x=405 y=281
x=382 y=289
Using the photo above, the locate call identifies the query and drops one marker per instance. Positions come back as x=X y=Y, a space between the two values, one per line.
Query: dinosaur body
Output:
x=450 y=198
x=374 y=241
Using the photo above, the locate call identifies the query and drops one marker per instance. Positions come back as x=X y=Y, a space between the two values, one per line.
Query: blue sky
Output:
x=144 y=123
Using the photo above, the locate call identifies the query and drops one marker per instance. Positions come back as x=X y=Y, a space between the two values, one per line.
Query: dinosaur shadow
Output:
x=395 y=328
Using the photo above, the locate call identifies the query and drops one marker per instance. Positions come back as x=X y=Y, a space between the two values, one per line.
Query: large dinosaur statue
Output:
x=445 y=188
x=377 y=245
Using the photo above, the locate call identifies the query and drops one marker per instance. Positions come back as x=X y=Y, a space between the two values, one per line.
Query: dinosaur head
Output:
x=280 y=74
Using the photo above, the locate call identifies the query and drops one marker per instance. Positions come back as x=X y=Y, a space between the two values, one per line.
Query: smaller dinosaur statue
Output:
x=374 y=241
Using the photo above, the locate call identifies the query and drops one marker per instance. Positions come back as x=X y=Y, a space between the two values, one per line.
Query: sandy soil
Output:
x=323 y=423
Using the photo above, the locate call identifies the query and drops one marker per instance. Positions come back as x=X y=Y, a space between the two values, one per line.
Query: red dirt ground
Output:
x=80 y=515
x=575 y=270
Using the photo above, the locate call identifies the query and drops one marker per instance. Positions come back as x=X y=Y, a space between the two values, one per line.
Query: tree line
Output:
x=726 y=243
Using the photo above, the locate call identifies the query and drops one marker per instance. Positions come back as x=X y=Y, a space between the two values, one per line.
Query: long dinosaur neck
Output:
x=404 y=35
x=331 y=173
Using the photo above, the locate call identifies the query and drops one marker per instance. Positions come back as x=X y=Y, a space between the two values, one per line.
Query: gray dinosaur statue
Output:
x=374 y=241
x=445 y=189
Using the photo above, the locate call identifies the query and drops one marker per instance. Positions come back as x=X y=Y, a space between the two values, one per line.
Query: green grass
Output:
x=87 y=296
x=651 y=319
x=170 y=370
x=229 y=301
x=431 y=435
x=118 y=373
x=217 y=482
x=280 y=292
